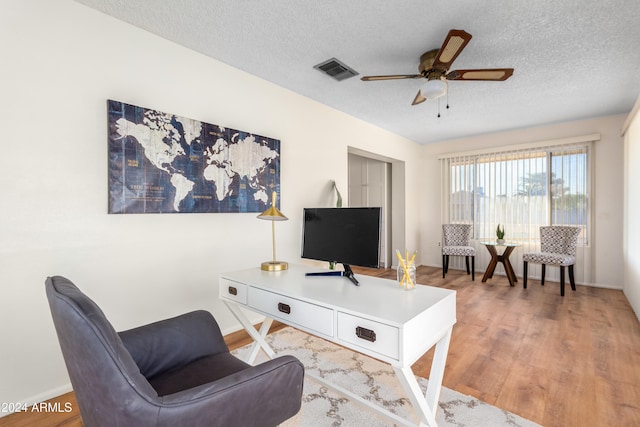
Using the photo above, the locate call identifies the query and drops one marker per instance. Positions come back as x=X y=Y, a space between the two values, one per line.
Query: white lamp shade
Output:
x=433 y=89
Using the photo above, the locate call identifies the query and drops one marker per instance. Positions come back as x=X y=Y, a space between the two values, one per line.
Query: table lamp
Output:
x=273 y=214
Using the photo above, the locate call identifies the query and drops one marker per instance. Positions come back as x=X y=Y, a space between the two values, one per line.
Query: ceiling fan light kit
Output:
x=433 y=89
x=434 y=66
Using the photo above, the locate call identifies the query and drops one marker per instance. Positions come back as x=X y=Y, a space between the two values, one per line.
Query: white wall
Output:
x=607 y=195
x=61 y=62
x=632 y=210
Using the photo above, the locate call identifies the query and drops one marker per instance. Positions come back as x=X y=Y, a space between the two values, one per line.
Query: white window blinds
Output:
x=520 y=187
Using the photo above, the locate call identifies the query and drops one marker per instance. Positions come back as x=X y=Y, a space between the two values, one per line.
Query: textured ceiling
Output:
x=573 y=59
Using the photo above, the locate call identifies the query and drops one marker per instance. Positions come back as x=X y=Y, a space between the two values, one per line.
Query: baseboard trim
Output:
x=497 y=273
x=254 y=320
x=49 y=394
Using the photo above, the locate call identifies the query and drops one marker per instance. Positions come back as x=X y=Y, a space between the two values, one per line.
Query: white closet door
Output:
x=368 y=187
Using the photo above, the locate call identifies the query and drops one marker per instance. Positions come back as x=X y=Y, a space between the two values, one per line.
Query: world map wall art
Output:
x=163 y=163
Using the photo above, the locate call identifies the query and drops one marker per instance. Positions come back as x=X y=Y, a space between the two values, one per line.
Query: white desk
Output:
x=376 y=318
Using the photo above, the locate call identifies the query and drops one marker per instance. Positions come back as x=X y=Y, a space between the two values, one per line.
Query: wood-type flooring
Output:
x=572 y=361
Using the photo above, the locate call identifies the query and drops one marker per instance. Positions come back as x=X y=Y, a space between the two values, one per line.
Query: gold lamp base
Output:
x=274 y=266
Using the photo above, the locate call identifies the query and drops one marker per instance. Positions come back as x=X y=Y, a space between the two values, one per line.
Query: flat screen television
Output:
x=350 y=236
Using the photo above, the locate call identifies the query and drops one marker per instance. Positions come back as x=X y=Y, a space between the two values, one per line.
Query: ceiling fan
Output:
x=434 y=66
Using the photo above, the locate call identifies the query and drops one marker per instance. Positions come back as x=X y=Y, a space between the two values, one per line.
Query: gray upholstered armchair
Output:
x=176 y=372
x=456 y=242
x=557 y=247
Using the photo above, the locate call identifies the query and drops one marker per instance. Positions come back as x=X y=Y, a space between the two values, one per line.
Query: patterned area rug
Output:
x=374 y=381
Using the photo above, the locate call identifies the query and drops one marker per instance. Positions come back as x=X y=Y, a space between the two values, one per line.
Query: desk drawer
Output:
x=292 y=311
x=233 y=290
x=368 y=334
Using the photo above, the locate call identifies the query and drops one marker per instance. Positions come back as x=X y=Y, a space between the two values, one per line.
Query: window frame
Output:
x=552 y=150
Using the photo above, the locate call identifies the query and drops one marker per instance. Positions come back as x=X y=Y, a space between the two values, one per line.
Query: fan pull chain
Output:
x=447 y=106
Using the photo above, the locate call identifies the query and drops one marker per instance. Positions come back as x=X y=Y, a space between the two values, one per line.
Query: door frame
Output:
x=397 y=201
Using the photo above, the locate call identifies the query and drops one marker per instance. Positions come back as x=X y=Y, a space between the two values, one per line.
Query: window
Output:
x=522 y=189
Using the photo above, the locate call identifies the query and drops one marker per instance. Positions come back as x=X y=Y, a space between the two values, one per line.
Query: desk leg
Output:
x=258 y=336
x=255 y=348
x=426 y=405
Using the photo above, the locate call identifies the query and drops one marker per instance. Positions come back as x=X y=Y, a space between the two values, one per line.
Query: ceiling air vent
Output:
x=335 y=69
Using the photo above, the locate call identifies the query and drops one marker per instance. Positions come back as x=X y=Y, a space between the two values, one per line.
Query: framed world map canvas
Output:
x=163 y=163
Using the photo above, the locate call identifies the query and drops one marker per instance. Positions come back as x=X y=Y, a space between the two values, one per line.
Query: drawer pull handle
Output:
x=233 y=291
x=365 y=334
x=284 y=308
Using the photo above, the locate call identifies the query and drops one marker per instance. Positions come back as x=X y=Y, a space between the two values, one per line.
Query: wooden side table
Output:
x=503 y=258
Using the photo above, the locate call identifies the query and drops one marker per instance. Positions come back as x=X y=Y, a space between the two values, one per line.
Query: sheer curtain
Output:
x=522 y=188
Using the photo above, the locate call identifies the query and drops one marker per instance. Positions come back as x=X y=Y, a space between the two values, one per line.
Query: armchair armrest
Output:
x=173 y=343
x=262 y=395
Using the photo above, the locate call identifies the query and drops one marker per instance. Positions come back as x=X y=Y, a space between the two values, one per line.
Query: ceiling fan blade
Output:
x=418 y=99
x=391 y=77
x=493 y=74
x=454 y=43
